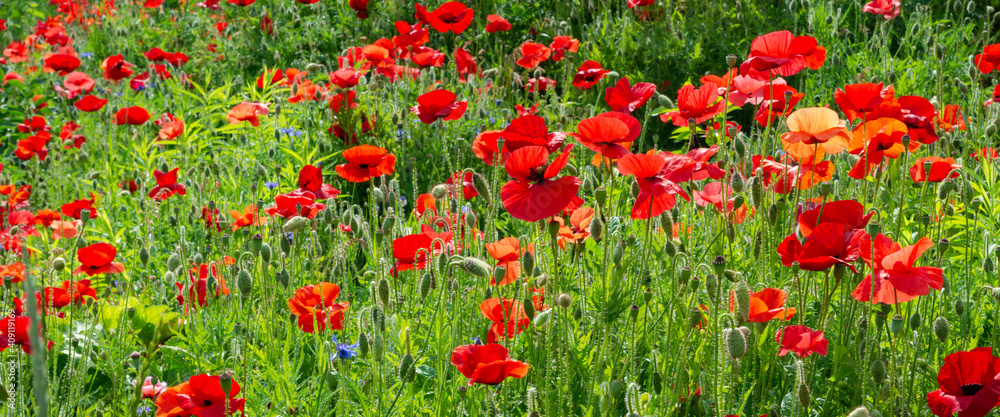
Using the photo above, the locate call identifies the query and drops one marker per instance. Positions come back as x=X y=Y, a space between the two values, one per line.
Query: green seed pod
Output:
x=878 y=370
x=283 y=278
x=600 y=195
x=736 y=344
x=265 y=252
x=959 y=306
x=529 y=307
x=58 y=264
x=896 y=324
x=564 y=300
x=719 y=264
x=695 y=317
x=144 y=257
x=736 y=181
x=941 y=328
x=684 y=276
x=425 y=286
x=406 y=371
x=617 y=253
x=756 y=192
x=383 y=292
x=295 y=224
x=378 y=348
x=256 y=241
x=244 y=282
x=541 y=318
x=669 y=248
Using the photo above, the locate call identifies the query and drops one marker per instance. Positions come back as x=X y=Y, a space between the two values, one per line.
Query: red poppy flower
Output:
x=241 y=3
x=62 y=62
x=889 y=9
x=498 y=310
x=951 y=118
x=410 y=35
x=775 y=104
x=345 y=78
x=166 y=185
x=722 y=197
x=866 y=101
x=452 y=16
x=940 y=169
x=98 y=258
x=895 y=279
x=32 y=146
x=33 y=124
x=656 y=191
x=782 y=53
x=360 y=8
x=317 y=309
x=343 y=101
x=202 y=395
x=77 y=82
x=115 y=68
x=533 y=194
x=285 y=205
x=365 y=162
x=827 y=245
x=562 y=44
x=918 y=113
x=539 y=84
x=849 y=213
x=311 y=180
x=20 y=325
x=692 y=166
x=490 y=364
x=885 y=140
x=464 y=178
x=170 y=127
x=801 y=341
x=426 y=57
x=626 y=98
x=588 y=75
x=496 y=24
x=75 y=208
x=198 y=285
x=529 y=130
x=995 y=98
x=578 y=229
x=156 y=54
x=700 y=104
x=131 y=115
x=465 y=64
x=68 y=293
x=968 y=384
x=249 y=217
x=247 y=112
x=533 y=54
x=413 y=251
x=439 y=104
x=989 y=60
x=609 y=134
x=138 y=83
x=90 y=103
x=507 y=252
x=15 y=271
x=766 y=305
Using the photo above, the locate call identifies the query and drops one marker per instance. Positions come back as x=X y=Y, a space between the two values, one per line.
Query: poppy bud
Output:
x=756 y=192
x=971 y=7
x=406 y=373
x=669 y=248
x=736 y=344
x=244 y=282
x=665 y=101
x=991 y=130
x=858 y=412
x=283 y=278
x=541 y=318
x=711 y=284
x=226 y=381
x=772 y=214
x=959 y=307
x=684 y=275
x=425 y=285
x=295 y=224
x=695 y=317
x=884 y=392
x=173 y=262
x=731 y=60
x=285 y=244
x=168 y=276
x=878 y=371
x=265 y=252
x=736 y=181
x=439 y=191
x=474 y=266
x=742 y=295
x=941 y=328
x=383 y=291
x=596 y=229
x=804 y=395
x=481 y=186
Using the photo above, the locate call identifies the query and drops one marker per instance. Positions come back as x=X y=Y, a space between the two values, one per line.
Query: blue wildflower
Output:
x=271 y=185
x=344 y=350
x=86 y=55
x=477 y=340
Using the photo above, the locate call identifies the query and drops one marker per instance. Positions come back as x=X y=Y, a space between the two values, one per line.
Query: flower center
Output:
x=971 y=389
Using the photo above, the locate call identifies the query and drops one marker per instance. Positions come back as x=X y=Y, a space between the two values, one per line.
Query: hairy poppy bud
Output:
x=265 y=252
x=383 y=291
x=285 y=244
x=529 y=307
x=378 y=347
x=541 y=318
x=711 y=284
x=618 y=253
x=742 y=296
x=564 y=300
x=481 y=186
x=665 y=101
x=772 y=214
x=283 y=278
x=804 y=395
x=528 y=263
x=173 y=262
x=244 y=282
x=439 y=191
x=406 y=372
x=959 y=307
x=915 y=321
x=941 y=328
x=474 y=266
x=363 y=345
x=991 y=130
x=294 y=224
x=736 y=344
x=425 y=285
x=858 y=412
x=596 y=229
x=878 y=370
x=669 y=248
x=695 y=317
x=736 y=181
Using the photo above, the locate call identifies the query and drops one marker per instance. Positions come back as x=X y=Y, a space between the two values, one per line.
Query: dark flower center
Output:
x=363 y=166
x=208 y=403
x=971 y=389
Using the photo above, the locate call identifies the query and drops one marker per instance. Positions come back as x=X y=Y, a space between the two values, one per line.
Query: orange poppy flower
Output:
x=249 y=217
x=65 y=229
x=885 y=139
x=578 y=229
x=315 y=305
x=365 y=162
x=810 y=126
x=247 y=112
x=499 y=310
x=14 y=270
x=507 y=252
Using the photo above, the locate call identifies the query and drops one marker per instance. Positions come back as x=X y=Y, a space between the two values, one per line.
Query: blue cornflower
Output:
x=344 y=350
x=143 y=410
x=86 y=55
x=477 y=340
x=289 y=236
x=271 y=185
